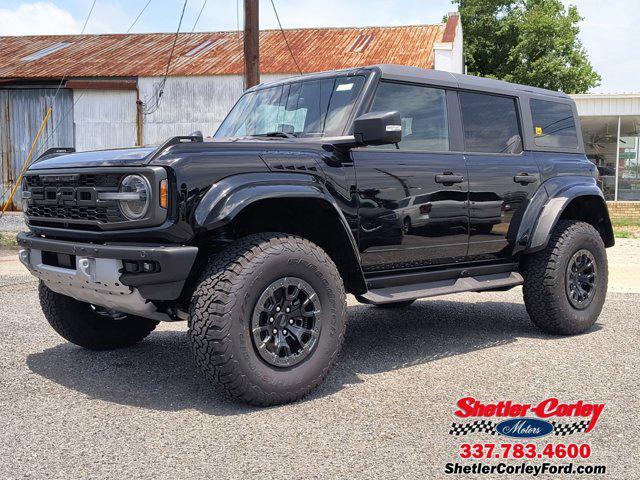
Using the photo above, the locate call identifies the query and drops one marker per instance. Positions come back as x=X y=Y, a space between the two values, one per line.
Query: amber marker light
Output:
x=164 y=195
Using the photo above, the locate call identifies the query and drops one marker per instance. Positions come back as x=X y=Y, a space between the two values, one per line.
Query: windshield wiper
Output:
x=275 y=134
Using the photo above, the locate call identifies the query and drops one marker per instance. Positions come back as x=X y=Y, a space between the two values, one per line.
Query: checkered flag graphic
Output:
x=563 y=429
x=485 y=426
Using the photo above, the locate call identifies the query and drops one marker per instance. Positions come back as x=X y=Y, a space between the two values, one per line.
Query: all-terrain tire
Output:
x=222 y=307
x=545 y=288
x=395 y=305
x=79 y=323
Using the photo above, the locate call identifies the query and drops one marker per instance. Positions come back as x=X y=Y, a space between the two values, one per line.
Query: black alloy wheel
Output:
x=286 y=322
x=580 y=279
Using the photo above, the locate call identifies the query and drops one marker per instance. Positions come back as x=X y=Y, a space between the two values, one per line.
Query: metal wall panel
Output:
x=22 y=113
x=189 y=104
x=104 y=119
x=598 y=105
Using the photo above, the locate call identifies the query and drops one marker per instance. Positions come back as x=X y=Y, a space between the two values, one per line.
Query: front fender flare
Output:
x=231 y=195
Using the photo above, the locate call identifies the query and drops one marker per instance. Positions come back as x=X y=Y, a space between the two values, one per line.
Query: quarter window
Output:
x=553 y=124
x=490 y=123
x=423 y=111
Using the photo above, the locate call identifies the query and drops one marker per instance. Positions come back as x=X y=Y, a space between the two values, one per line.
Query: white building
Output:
x=611 y=132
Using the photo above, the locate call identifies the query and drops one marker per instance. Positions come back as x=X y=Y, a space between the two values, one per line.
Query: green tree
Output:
x=534 y=42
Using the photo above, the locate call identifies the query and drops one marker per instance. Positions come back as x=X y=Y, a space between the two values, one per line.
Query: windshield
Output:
x=308 y=108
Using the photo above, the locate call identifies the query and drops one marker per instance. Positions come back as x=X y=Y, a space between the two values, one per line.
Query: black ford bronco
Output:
x=390 y=183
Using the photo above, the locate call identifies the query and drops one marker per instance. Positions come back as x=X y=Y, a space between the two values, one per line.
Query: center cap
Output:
x=281 y=320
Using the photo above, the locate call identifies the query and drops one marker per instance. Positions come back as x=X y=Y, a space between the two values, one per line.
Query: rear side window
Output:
x=553 y=124
x=423 y=111
x=490 y=123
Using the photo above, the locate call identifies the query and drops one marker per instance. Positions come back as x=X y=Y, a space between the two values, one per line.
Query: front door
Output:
x=412 y=198
x=502 y=178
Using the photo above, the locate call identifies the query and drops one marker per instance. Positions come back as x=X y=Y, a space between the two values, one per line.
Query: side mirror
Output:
x=378 y=128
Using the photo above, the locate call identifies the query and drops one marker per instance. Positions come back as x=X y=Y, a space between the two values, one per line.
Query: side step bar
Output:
x=442 y=287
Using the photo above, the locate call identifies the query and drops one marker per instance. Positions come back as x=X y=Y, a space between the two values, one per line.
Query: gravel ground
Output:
x=384 y=412
x=12 y=222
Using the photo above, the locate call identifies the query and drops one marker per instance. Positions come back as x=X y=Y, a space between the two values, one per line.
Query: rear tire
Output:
x=79 y=323
x=565 y=284
x=238 y=346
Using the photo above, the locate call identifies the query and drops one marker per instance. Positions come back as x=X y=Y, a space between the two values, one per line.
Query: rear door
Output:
x=502 y=178
x=412 y=198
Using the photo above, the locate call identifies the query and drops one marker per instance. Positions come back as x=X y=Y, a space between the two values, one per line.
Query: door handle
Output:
x=524 y=178
x=449 y=178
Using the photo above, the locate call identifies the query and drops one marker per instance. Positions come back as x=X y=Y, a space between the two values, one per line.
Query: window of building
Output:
x=490 y=123
x=553 y=124
x=628 y=161
x=613 y=144
x=423 y=111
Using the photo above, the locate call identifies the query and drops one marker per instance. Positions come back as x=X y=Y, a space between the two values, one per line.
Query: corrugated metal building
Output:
x=111 y=82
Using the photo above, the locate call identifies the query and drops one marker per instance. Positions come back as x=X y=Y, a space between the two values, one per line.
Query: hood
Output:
x=129 y=157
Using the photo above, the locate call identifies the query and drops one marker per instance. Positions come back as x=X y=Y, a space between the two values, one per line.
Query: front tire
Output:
x=565 y=284
x=82 y=324
x=267 y=318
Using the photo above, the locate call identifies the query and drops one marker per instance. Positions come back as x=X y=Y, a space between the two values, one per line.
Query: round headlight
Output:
x=135 y=207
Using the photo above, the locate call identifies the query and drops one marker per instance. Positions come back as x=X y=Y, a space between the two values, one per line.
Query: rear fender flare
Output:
x=548 y=205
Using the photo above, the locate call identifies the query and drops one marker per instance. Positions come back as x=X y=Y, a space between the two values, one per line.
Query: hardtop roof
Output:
x=433 y=77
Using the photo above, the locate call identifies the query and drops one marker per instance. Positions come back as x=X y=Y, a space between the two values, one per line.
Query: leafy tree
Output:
x=534 y=42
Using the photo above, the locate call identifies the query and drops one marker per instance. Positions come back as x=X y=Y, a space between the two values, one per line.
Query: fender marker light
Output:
x=164 y=196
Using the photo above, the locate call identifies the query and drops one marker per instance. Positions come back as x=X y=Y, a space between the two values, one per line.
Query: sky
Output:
x=610 y=34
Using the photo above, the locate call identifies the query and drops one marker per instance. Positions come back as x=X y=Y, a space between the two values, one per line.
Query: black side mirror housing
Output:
x=378 y=128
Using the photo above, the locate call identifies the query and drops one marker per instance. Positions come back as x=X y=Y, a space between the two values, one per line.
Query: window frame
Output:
x=519 y=116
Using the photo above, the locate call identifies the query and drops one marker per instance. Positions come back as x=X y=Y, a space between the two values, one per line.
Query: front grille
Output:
x=70 y=198
x=99 y=214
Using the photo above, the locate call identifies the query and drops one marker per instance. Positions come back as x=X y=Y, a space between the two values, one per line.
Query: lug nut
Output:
x=291 y=321
x=270 y=319
x=287 y=310
x=275 y=331
x=284 y=332
x=277 y=309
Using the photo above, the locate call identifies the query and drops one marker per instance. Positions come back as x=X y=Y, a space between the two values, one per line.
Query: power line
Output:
x=285 y=38
x=139 y=15
x=86 y=21
x=198 y=17
x=160 y=90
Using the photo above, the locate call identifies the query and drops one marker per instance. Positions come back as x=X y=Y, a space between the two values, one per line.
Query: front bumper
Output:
x=99 y=276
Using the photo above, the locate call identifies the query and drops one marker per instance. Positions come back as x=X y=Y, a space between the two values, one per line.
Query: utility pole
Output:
x=251 y=43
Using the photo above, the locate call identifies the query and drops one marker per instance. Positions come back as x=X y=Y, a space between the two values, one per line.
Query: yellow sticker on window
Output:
x=538 y=130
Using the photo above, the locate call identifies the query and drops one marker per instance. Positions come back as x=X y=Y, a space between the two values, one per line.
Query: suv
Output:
x=255 y=237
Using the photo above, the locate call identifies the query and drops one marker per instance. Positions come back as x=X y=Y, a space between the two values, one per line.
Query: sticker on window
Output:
x=344 y=87
x=407 y=124
x=538 y=130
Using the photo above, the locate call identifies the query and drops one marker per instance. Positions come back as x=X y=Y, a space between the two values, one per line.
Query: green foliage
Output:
x=534 y=42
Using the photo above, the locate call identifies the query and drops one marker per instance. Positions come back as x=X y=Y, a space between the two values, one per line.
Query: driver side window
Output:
x=423 y=111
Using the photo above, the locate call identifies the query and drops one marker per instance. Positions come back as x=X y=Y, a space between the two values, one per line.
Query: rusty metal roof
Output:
x=214 y=53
